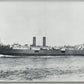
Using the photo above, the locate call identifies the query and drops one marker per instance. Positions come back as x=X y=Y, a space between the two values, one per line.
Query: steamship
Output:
x=36 y=50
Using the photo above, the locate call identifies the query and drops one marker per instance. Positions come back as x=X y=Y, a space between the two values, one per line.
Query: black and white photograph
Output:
x=41 y=41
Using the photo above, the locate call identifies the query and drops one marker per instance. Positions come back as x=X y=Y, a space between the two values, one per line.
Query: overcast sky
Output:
x=61 y=22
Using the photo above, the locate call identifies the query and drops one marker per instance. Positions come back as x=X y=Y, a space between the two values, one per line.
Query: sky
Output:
x=61 y=22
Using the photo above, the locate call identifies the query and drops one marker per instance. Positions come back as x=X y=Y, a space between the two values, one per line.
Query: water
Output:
x=44 y=68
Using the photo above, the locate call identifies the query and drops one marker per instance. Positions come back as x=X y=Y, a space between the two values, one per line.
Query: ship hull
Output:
x=26 y=52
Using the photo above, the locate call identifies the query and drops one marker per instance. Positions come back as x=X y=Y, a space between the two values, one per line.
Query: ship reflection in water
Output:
x=42 y=68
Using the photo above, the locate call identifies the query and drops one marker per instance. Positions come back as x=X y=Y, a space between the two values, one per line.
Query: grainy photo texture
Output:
x=42 y=41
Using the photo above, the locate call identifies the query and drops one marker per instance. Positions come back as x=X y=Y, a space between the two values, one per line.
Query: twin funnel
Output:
x=44 y=41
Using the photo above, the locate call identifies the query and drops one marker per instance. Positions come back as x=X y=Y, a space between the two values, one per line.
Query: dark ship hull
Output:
x=26 y=52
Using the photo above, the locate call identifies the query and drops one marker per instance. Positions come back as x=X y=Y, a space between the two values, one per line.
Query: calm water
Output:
x=51 y=68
